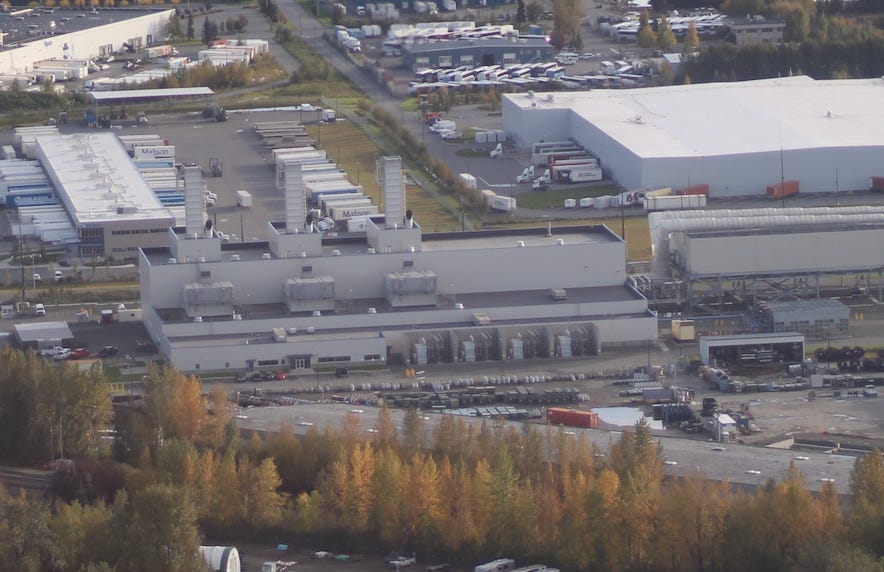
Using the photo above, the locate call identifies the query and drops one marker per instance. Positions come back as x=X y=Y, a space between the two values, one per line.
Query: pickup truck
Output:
x=401 y=561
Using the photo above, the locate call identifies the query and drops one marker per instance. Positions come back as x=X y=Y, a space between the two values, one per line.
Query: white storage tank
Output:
x=221 y=558
x=570 y=203
x=586 y=203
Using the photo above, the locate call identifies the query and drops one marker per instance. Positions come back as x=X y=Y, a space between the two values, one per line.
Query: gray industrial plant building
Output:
x=476 y=52
x=701 y=257
x=737 y=137
x=303 y=300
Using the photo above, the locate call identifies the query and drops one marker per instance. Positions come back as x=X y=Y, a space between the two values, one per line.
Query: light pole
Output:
x=357 y=172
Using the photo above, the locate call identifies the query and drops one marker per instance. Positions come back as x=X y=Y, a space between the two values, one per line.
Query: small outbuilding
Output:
x=42 y=335
x=752 y=349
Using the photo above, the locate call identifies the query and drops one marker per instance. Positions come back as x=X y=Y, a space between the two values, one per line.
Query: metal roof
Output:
x=130 y=94
x=37 y=331
x=714 y=119
x=96 y=180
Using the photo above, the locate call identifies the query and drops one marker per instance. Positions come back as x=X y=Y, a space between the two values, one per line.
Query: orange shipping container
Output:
x=695 y=190
x=572 y=417
x=785 y=189
x=878 y=183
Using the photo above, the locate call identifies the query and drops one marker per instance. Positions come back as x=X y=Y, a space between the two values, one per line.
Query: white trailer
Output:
x=577 y=173
x=346 y=212
x=503 y=203
x=674 y=202
x=469 y=180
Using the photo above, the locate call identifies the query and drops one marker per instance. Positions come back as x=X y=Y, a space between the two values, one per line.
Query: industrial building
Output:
x=737 y=137
x=69 y=41
x=476 y=52
x=752 y=349
x=303 y=300
x=757 y=30
x=111 y=209
x=705 y=257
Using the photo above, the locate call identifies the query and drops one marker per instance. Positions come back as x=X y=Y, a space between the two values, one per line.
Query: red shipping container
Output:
x=878 y=183
x=572 y=417
x=695 y=190
x=785 y=189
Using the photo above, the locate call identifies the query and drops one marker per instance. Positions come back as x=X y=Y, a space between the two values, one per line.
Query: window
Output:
x=307 y=268
x=444 y=61
x=371 y=357
x=205 y=273
x=268 y=362
x=227 y=364
x=328 y=359
x=196 y=366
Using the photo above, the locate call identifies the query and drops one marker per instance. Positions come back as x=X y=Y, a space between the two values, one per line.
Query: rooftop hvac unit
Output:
x=234 y=257
x=317 y=313
x=336 y=252
x=173 y=261
x=372 y=311
x=197 y=318
x=266 y=256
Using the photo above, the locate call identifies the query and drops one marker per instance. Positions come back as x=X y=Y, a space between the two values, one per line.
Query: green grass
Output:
x=555 y=197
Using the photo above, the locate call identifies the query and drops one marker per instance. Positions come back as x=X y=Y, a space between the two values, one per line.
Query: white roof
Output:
x=129 y=94
x=702 y=120
x=96 y=180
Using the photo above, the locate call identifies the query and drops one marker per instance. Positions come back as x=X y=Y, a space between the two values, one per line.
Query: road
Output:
x=742 y=465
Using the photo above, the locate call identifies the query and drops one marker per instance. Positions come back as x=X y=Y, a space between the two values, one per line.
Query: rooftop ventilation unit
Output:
x=266 y=256
x=234 y=257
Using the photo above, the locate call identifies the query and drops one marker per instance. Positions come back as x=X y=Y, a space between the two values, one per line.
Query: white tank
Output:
x=221 y=558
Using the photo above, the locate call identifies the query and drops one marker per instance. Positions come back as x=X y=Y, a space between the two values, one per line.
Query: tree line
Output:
x=179 y=471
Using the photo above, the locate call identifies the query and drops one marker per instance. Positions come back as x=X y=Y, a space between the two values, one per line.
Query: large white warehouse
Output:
x=739 y=138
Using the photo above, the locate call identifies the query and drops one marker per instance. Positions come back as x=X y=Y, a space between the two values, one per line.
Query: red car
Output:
x=280 y=375
x=79 y=353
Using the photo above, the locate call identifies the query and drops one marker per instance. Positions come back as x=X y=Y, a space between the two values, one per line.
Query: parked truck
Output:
x=577 y=173
x=243 y=199
x=499 y=565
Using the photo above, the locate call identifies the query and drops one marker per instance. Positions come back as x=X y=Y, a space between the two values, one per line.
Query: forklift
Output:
x=215 y=167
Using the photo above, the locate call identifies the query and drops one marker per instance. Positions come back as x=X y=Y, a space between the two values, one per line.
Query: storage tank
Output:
x=221 y=558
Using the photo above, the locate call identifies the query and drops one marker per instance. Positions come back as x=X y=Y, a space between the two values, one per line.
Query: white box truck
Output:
x=243 y=199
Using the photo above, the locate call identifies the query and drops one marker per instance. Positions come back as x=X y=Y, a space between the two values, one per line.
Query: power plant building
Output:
x=739 y=137
x=302 y=300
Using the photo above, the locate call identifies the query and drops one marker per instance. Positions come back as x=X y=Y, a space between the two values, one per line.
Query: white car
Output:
x=449 y=134
x=670 y=463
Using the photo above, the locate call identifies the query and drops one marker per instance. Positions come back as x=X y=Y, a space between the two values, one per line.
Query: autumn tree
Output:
x=647 y=37
x=691 y=40
x=867 y=487
x=161 y=533
x=27 y=544
x=665 y=36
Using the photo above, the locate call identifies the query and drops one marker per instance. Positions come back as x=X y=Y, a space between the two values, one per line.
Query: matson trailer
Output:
x=344 y=212
x=577 y=174
x=557 y=158
x=579 y=161
x=327 y=201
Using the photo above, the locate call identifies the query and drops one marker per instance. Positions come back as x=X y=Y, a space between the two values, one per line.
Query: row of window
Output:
x=138 y=231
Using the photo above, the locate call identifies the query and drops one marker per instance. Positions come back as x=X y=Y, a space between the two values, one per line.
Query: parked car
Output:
x=59 y=276
x=268 y=376
x=280 y=375
x=39 y=310
x=108 y=351
x=79 y=353
x=256 y=376
x=870 y=391
x=240 y=377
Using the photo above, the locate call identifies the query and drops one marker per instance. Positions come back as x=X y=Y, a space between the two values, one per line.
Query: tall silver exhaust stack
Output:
x=295 y=204
x=394 y=190
x=193 y=201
